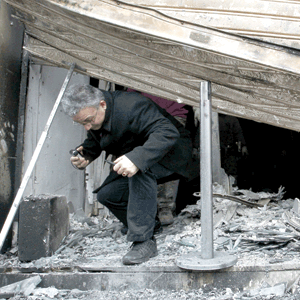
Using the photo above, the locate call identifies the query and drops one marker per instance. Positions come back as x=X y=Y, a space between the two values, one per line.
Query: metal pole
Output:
x=207 y=250
x=207 y=259
x=33 y=160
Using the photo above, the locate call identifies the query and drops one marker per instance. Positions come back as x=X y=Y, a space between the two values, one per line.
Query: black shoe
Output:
x=140 y=252
x=157 y=229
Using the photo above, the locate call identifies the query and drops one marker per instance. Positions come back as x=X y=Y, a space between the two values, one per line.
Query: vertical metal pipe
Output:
x=207 y=251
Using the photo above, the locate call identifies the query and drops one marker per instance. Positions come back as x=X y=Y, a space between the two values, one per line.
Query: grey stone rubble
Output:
x=24 y=287
x=52 y=293
x=258 y=236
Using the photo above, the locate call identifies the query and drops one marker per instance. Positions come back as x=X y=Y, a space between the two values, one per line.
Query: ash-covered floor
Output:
x=258 y=235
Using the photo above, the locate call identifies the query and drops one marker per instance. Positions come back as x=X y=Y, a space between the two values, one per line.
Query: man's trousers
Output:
x=133 y=200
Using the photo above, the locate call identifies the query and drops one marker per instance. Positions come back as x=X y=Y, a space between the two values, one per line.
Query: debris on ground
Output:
x=277 y=292
x=257 y=235
x=24 y=287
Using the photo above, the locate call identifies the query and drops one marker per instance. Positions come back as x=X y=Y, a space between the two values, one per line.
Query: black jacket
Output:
x=137 y=127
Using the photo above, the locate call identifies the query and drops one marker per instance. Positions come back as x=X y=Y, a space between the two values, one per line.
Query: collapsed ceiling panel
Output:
x=271 y=21
x=150 y=51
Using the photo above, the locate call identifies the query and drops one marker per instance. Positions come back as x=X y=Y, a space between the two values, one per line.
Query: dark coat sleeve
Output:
x=91 y=147
x=158 y=134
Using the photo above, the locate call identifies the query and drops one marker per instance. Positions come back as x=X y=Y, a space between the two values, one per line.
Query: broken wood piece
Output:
x=222 y=216
x=293 y=286
x=24 y=287
x=7 y=295
x=277 y=290
x=296 y=206
x=262 y=195
x=264 y=201
x=291 y=220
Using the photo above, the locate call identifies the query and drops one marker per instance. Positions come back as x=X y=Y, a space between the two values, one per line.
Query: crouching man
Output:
x=151 y=147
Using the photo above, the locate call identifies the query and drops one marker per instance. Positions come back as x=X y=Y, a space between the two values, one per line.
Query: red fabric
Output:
x=173 y=108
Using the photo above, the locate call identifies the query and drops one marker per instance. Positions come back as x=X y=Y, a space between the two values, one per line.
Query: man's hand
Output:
x=79 y=161
x=125 y=166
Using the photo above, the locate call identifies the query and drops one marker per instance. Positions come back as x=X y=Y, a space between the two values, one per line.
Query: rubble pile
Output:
x=259 y=228
x=27 y=290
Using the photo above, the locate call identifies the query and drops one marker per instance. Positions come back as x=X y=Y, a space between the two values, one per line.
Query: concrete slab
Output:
x=90 y=277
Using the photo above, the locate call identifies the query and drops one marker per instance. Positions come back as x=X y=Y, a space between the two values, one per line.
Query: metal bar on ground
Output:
x=207 y=259
x=33 y=160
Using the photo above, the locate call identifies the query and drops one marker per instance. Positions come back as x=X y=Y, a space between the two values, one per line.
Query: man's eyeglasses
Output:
x=89 y=119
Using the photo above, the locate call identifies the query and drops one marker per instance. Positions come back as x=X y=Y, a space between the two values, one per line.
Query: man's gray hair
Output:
x=79 y=96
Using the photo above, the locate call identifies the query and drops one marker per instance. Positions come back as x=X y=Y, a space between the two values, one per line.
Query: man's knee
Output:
x=109 y=195
x=103 y=195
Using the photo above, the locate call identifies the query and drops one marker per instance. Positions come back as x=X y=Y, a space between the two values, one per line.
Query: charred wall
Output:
x=11 y=37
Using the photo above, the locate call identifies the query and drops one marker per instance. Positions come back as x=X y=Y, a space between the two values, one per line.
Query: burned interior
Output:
x=232 y=72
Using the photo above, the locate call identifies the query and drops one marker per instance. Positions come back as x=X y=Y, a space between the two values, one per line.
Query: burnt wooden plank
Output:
x=265 y=114
x=167 y=54
x=257 y=86
x=272 y=21
x=167 y=57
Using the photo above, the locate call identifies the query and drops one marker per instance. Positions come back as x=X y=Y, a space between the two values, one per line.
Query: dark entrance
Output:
x=273 y=159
